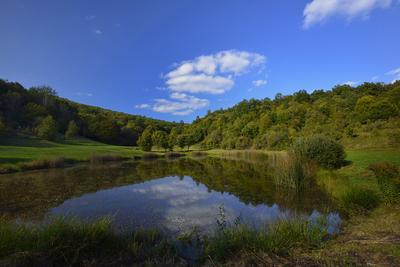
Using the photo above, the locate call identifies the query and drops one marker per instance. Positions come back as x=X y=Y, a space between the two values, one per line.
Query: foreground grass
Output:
x=72 y=243
x=65 y=242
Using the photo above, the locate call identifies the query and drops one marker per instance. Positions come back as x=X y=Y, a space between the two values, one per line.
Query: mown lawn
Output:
x=14 y=151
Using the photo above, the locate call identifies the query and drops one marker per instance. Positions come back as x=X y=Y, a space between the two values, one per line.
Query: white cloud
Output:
x=259 y=83
x=351 y=83
x=395 y=73
x=97 y=31
x=200 y=83
x=142 y=106
x=181 y=104
x=213 y=74
x=318 y=11
x=206 y=74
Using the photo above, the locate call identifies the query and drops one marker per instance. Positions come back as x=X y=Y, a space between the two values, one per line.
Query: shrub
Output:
x=47 y=129
x=360 y=200
x=323 y=150
x=72 y=130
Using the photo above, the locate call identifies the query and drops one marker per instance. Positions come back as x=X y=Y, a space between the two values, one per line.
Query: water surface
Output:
x=172 y=195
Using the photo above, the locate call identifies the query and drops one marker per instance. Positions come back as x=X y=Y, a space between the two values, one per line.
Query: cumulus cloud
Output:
x=180 y=104
x=318 y=11
x=259 y=83
x=207 y=74
x=213 y=74
x=395 y=73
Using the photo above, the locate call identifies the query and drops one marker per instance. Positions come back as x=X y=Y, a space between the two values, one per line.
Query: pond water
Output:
x=173 y=195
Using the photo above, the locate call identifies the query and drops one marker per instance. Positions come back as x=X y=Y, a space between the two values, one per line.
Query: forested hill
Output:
x=356 y=116
x=39 y=111
x=364 y=116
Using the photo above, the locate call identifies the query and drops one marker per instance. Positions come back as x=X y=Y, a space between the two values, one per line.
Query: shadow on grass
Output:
x=25 y=142
x=13 y=160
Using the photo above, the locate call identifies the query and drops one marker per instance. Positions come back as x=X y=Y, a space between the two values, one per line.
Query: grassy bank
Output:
x=68 y=242
x=18 y=154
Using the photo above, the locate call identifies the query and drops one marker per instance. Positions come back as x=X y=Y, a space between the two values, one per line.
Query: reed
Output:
x=51 y=163
x=102 y=158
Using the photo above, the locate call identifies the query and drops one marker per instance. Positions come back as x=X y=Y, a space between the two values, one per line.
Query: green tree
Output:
x=72 y=130
x=47 y=129
x=160 y=139
x=182 y=141
x=146 y=139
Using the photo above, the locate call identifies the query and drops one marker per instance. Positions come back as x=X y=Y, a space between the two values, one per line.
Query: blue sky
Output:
x=175 y=60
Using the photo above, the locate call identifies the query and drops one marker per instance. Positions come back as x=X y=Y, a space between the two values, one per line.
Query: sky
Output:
x=177 y=59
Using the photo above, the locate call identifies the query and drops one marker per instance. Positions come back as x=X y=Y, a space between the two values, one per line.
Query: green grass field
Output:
x=17 y=151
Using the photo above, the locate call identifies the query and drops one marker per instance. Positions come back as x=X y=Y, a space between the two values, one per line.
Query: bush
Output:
x=360 y=200
x=72 y=130
x=323 y=150
x=47 y=129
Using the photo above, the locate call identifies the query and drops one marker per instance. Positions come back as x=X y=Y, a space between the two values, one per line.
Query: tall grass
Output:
x=279 y=238
x=290 y=170
x=247 y=155
x=72 y=243
x=51 y=163
x=103 y=158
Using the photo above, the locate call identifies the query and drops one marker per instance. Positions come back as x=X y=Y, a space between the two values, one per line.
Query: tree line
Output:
x=39 y=111
x=344 y=112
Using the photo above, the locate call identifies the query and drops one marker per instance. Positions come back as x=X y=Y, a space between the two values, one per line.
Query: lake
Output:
x=172 y=195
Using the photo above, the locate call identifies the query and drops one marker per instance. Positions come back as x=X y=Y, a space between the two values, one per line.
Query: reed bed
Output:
x=103 y=158
x=290 y=170
x=58 y=162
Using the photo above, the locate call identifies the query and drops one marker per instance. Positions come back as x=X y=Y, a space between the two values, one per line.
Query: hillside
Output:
x=366 y=116
x=39 y=111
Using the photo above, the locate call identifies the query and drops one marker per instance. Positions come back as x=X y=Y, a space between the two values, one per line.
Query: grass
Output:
x=279 y=238
x=27 y=153
x=70 y=242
